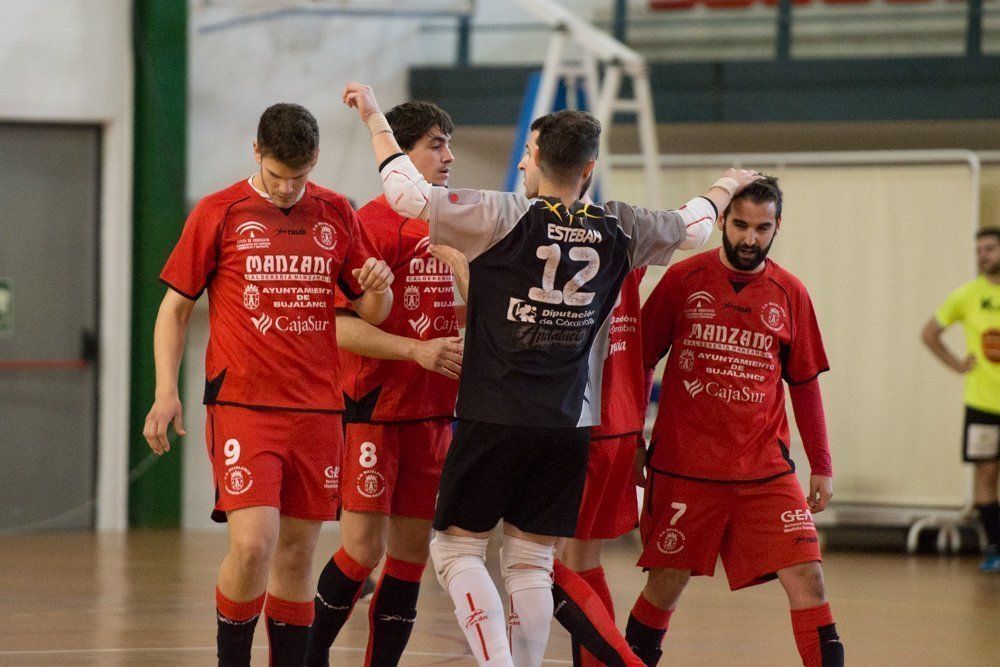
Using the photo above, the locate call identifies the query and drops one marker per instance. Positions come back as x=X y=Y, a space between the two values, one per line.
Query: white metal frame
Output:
x=577 y=50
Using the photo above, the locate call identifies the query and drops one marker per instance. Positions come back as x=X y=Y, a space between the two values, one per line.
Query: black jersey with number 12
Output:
x=543 y=282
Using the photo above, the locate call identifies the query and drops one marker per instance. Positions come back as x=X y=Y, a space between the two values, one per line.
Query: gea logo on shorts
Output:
x=797 y=519
x=332 y=475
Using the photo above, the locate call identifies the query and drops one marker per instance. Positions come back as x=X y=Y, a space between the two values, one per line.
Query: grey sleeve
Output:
x=472 y=221
x=654 y=234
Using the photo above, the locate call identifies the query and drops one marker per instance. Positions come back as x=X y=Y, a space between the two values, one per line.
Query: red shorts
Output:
x=757 y=528
x=394 y=469
x=278 y=458
x=610 y=506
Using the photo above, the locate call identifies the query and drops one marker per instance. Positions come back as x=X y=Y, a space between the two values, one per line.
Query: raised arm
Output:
x=169 y=335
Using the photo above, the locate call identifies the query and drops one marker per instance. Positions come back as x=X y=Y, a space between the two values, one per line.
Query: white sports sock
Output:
x=528 y=623
x=479 y=611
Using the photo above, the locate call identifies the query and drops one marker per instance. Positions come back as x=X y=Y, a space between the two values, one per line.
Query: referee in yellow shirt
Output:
x=976 y=305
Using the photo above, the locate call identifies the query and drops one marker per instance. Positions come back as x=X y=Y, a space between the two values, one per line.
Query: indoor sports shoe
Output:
x=991 y=563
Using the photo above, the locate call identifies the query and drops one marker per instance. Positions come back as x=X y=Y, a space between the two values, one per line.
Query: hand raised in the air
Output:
x=360 y=97
x=440 y=355
x=375 y=275
x=743 y=177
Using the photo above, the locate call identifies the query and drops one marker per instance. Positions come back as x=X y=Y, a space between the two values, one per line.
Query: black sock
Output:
x=391 y=616
x=989 y=516
x=236 y=623
x=336 y=594
x=287 y=643
x=830 y=648
x=644 y=641
x=234 y=640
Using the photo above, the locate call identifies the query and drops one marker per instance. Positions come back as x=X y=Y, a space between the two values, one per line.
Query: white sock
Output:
x=480 y=615
x=529 y=622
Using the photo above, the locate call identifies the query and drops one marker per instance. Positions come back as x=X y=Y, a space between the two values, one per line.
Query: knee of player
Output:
x=367 y=553
x=454 y=554
x=525 y=564
x=252 y=552
x=805 y=581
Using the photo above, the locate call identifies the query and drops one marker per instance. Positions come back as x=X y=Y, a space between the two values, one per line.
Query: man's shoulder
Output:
x=785 y=278
x=695 y=263
x=378 y=211
x=327 y=196
x=238 y=191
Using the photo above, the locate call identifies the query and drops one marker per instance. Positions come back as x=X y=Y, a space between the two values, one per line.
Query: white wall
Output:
x=71 y=61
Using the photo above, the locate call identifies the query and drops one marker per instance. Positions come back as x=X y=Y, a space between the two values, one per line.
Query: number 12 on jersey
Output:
x=570 y=294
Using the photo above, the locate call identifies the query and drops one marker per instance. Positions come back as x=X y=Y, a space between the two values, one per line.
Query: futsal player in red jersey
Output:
x=399 y=413
x=738 y=327
x=270 y=250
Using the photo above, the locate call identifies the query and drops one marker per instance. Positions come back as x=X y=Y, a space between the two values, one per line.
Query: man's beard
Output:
x=744 y=263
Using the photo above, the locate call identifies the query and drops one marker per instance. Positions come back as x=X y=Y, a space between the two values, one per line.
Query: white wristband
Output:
x=377 y=124
x=726 y=183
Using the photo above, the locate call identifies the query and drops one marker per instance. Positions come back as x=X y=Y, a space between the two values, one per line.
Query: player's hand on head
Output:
x=360 y=97
x=374 y=275
x=165 y=411
x=820 y=492
x=441 y=355
x=743 y=177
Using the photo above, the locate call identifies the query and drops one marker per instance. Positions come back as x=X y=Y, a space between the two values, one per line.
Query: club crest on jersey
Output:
x=252 y=235
x=521 y=311
x=687 y=361
x=238 y=480
x=670 y=541
x=325 y=235
x=371 y=484
x=699 y=306
x=411 y=297
x=773 y=316
x=251 y=297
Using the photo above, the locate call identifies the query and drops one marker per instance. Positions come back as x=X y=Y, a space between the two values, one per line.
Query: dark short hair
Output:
x=763 y=190
x=567 y=141
x=411 y=120
x=988 y=231
x=289 y=134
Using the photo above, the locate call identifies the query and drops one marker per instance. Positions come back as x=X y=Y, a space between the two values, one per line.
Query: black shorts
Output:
x=530 y=477
x=981 y=436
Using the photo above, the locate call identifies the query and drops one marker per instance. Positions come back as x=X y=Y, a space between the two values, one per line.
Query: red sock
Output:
x=816 y=637
x=650 y=615
x=392 y=611
x=238 y=611
x=287 y=629
x=596 y=579
x=647 y=625
x=582 y=612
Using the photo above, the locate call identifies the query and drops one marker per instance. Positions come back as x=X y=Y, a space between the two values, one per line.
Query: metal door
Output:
x=49 y=187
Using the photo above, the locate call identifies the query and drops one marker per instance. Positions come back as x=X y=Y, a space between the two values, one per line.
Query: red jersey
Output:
x=270 y=277
x=380 y=390
x=623 y=399
x=732 y=338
